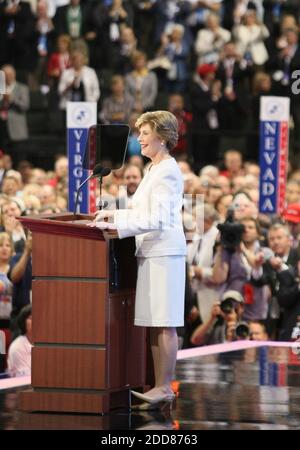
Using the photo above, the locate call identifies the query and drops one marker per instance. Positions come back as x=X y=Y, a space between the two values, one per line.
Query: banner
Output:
x=274 y=144
x=80 y=117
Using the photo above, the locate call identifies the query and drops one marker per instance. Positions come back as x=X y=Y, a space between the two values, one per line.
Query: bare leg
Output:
x=154 y=332
x=164 y=345
x=168 y=346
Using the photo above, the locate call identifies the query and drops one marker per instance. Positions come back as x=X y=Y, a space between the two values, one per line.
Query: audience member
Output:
x=200 y=259
x=20 y=274
x=257 y=331
x=79 y=83
x=13 y=106
x=19 y=352
x=141 y=84
x=119 y=105
x=221 y=325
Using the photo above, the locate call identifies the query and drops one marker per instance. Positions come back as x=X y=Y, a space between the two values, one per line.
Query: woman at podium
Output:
x=156 y=222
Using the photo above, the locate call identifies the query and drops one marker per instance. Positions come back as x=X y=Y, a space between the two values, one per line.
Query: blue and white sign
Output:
x=80 y=117
x=274 y=138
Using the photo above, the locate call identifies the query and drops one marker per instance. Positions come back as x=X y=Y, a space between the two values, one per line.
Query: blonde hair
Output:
x=4 y=235
x=163 y=123
x=258 y=79
x=80 y=46
x=66 y=39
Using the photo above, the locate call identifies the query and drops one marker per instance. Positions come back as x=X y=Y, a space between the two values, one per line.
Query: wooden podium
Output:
x=86 y=352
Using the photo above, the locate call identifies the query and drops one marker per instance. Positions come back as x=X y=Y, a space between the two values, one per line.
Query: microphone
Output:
x=105 y=171
x=97 y=172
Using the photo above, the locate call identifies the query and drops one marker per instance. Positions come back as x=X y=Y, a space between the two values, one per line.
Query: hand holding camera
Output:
x=231 y=232
x=276 y=262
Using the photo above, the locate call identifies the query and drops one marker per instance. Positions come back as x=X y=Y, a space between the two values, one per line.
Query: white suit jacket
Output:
x=89 y=80
x=252 y=39
x=155 y=218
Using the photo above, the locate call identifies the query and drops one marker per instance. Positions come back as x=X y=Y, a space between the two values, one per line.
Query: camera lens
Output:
x=227 y=306
x=242 y=330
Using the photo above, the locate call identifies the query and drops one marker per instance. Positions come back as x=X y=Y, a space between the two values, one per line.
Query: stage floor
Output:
x=250 y=389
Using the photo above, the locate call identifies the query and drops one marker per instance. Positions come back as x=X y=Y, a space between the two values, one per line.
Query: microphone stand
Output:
x=113 y=261
x=101 y=205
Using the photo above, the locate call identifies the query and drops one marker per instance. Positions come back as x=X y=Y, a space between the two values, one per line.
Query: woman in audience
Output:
x=10 y=210
x=79 y=83
x=6 y=252
x=19 y=353
x=141 y=84
x=118 y=106
x=250 y=37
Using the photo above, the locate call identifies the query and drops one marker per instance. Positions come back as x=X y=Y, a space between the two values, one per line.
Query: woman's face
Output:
x=250 y=18
x=77 y=59
x=63 y=45
x=5 y=249
x=29 y=324
x=11 y=210
x=150 y=142
x=140 y=63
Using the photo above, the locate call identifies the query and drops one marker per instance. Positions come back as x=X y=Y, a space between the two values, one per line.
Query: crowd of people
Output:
x=212 y=61
x=209 y=62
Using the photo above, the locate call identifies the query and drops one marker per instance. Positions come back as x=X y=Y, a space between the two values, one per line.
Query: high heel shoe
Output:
x=165 y=407
x=164 y=398
x=145 y=407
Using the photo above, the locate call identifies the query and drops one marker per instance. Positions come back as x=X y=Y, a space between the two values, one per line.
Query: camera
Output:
x=231 y=232
x=242 y=330
x=230 y=299
x=227 y=306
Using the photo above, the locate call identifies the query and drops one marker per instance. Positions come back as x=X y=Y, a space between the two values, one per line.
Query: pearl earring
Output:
x=162 y=143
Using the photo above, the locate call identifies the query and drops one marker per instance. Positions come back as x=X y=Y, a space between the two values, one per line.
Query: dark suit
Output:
x=279 y=283
x=16 y=47
x=204 y=142
x=61 y=20
x=233 y=114
x=288 y=296
x=277 y=63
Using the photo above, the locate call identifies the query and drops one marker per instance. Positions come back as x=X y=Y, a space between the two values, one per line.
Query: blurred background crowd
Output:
x=207 y=61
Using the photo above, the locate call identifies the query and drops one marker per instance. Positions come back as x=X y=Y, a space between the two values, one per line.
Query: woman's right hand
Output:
x=10 y=224
x=28 y=243
x=100 y=216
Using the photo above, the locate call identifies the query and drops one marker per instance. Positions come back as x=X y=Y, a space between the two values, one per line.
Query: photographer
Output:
x=287 y=268
x=256 y=297
x=280 y=273
x=224 y=324
x=231 y=268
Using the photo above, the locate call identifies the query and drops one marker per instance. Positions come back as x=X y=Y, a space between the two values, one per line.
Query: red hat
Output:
x=292 y=213
x=204 y=69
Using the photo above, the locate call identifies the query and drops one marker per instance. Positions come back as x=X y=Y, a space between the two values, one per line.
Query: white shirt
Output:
x=90 y=82
x=19 y=357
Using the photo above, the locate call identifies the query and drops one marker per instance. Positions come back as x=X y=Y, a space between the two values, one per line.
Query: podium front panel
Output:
x=73 y=368
x=69 y=311
x=68 y=256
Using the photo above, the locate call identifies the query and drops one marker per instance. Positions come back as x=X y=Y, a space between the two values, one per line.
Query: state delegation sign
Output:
x=274 y=143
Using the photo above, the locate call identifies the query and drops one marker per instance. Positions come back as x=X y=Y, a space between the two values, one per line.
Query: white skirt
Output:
x=160 y=291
